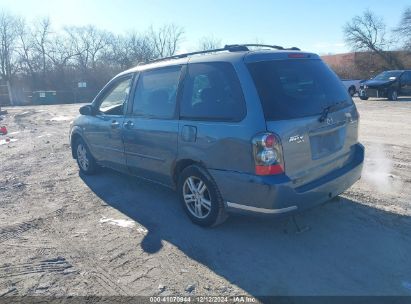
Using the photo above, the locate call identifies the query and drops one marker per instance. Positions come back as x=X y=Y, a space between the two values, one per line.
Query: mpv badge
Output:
x=297 y=139
x=329 y=121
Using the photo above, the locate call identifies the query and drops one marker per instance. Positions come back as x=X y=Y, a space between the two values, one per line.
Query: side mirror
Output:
x=87 y=110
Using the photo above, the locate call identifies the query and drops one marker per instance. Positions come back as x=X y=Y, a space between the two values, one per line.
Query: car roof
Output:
x=224 y=56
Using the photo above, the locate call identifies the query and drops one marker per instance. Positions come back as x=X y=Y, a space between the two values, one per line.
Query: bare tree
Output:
x=166 y=39
x=41 y=38
x=8 y=40
x=209 y=43
x=404 y=28
x=88 y=43
x=26 y=49
x=140 y=48
x=368 y=33
x=60 y=52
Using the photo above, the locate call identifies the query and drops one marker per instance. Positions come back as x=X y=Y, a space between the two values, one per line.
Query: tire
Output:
x=195 y=188
x=393 y=95
x=363 y=98
x=85 y=161
x=351 y=91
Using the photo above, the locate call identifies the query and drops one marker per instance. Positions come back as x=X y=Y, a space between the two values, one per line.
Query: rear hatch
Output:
x=308 y=107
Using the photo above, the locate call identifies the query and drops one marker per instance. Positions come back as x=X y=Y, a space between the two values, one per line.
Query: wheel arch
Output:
x=352 y=87
x=180 y=165
x=73 y=138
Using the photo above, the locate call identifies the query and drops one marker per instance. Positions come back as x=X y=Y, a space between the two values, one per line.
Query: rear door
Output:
x=212 y=113
x=308 y=107
x=406 y=83
x=150 y=130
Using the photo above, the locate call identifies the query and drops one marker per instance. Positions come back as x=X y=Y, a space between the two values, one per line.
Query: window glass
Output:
x=156 y=93
x=406 y=78
x=297 y=88
x=212 y=92
x=388 y=75
x=112 y=103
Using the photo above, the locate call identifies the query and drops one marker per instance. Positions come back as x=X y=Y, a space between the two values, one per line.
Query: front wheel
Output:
x=86 y=162
x=351 y=91
x=393 y=95
x=200 y=197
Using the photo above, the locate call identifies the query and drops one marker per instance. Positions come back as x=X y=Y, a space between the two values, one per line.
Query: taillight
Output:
x=267 y=154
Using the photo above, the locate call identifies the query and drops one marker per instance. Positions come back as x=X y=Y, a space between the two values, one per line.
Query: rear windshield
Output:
x=297 y=88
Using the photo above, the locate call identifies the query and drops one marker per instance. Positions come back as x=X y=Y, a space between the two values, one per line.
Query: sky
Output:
x=312 y=25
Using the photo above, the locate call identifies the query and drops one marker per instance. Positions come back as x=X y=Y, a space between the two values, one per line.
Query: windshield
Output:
x=388 y=75
x=297 y=88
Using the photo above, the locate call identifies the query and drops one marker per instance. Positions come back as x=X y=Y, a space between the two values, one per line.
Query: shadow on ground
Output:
x=400 y=99
x=350 y=249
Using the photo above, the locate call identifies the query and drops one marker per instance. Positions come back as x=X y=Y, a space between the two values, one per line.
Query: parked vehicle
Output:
x=389 y=84
x=351 y=85
x=268 y=131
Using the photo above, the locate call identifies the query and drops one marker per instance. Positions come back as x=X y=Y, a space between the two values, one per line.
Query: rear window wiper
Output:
x=328 y=109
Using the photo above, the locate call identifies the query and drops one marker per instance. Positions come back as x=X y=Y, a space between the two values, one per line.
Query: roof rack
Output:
x=228 y=47
x=277 y=47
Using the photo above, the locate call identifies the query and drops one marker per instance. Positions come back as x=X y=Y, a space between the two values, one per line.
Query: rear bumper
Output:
x=247 y=193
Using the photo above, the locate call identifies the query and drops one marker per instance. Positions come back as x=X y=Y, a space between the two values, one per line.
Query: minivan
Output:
x=245 y=128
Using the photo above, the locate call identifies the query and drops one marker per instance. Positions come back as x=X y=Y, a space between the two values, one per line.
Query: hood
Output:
x=378 y=83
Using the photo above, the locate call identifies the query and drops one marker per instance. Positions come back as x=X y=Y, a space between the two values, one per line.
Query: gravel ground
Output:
x=63 y=234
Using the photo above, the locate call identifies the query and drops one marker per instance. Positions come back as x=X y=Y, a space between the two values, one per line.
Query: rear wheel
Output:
x=86 y=162
x=200 y=197
x=393 y=95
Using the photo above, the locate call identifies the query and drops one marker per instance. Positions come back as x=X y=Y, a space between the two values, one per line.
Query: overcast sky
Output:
x=313 y=25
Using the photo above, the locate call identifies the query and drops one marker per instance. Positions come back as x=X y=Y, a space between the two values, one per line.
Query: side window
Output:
x=212 y=92
x=113 y=101
x=156 y=93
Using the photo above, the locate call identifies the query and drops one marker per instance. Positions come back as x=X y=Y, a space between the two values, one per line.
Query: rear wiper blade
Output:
x=328 y=109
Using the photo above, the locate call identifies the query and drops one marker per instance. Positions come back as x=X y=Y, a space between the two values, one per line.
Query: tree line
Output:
x=34 y=56
x=379 y=48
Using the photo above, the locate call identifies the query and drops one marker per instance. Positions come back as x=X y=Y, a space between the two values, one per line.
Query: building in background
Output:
x=363 y=65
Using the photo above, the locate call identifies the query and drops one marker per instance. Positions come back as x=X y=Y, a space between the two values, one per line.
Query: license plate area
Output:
x=327 y=143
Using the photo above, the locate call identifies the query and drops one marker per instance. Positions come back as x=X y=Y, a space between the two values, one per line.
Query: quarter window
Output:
x=156 y=93
x=212 y=92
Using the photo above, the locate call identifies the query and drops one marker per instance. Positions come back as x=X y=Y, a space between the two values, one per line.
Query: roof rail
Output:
x=277 y=47
x=228 y=47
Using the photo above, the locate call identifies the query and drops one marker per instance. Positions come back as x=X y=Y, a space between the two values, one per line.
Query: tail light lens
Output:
x=267 y=154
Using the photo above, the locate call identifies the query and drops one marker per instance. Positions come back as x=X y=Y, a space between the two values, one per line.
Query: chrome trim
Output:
x=261 y=210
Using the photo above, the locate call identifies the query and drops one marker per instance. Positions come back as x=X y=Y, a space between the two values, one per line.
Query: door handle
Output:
x=129 y=124
x=115 y=124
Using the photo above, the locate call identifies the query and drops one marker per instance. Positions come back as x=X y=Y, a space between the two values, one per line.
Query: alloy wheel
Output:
x=197 y=197
x=82 y=157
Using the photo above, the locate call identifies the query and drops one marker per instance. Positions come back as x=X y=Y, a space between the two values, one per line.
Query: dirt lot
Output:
x=65 y=234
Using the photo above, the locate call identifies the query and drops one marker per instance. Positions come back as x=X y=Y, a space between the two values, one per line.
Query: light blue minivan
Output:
x=244 y=128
